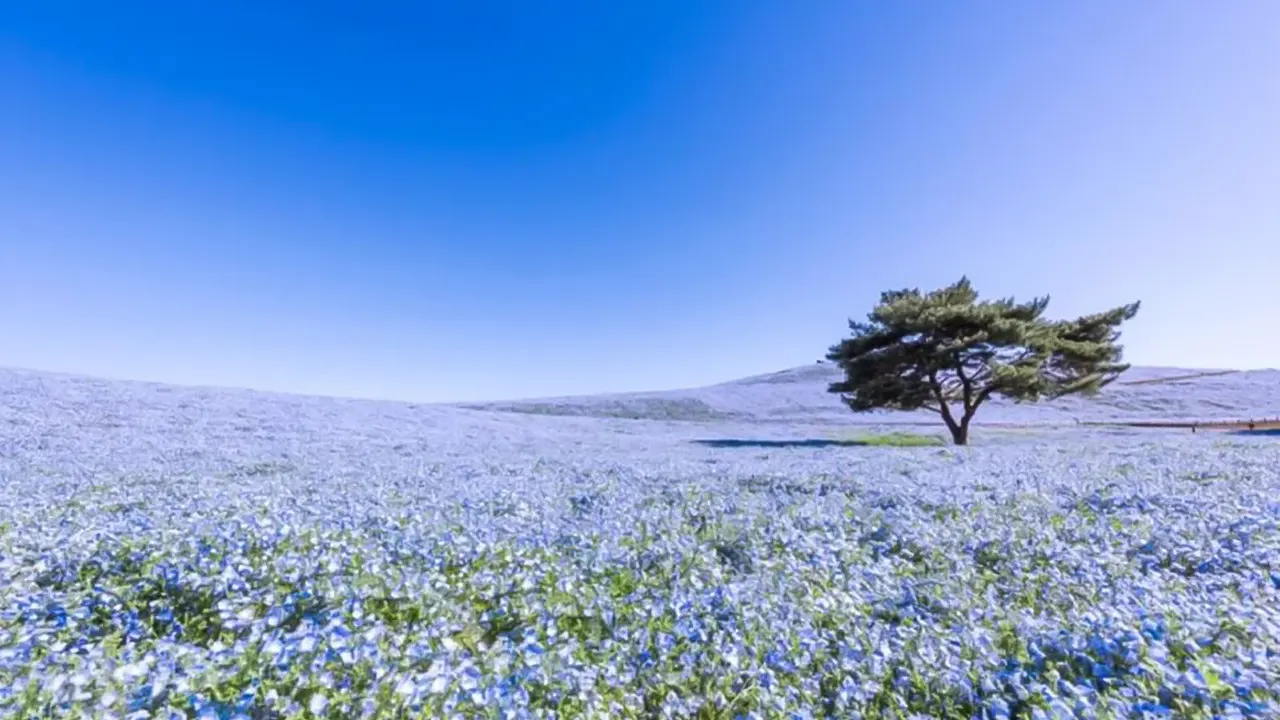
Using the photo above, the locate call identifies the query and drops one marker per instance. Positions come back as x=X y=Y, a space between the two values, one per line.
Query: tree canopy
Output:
x=934 y=350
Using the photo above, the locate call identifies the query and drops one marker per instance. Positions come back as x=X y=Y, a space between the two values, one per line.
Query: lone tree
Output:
x=928 y=351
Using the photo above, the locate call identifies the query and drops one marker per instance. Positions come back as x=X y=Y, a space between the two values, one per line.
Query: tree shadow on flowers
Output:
x=1268 y=432
x=804 y=443
x=896 y=439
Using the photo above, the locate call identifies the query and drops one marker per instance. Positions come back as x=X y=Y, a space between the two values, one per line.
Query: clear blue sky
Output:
x=473 y=200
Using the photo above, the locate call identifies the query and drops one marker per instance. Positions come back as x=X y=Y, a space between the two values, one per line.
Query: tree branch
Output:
x=968 y=388
x=944 y=408
x=985 y=393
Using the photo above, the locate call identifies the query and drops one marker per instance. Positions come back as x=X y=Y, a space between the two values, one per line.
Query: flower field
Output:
x=190 y=553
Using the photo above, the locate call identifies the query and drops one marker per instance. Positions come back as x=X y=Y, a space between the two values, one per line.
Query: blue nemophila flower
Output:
x=363 y=581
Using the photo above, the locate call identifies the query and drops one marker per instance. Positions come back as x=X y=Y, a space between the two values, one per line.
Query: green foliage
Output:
x=930 y=350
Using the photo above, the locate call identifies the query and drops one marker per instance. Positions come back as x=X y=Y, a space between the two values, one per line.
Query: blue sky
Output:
x=464 y=201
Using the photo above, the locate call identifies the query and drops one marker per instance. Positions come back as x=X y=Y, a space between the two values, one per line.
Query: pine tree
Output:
x=930 y=351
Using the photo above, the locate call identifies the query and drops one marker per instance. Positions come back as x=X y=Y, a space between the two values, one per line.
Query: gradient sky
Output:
x=480 y=200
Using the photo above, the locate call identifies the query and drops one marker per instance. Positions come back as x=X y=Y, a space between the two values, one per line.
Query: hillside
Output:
x=798 y=395
x=795 y=396
x=296 y=533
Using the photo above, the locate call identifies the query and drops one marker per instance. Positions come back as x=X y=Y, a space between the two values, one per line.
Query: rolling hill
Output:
x=798 y=395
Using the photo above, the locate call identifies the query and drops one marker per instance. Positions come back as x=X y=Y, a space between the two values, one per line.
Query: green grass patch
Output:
x=893 y=439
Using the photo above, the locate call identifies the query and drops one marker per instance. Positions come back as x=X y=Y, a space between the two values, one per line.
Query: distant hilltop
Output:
x=799 y=395
x=794 y=396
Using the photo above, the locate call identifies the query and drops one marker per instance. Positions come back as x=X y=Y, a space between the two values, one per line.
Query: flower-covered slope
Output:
x=172 y=552
x=800 y=395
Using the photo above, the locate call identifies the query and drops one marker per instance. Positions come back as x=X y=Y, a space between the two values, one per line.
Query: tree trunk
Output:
x=960 y=431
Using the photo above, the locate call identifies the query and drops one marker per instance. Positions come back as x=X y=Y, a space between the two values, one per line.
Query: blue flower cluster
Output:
x=530 y=571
